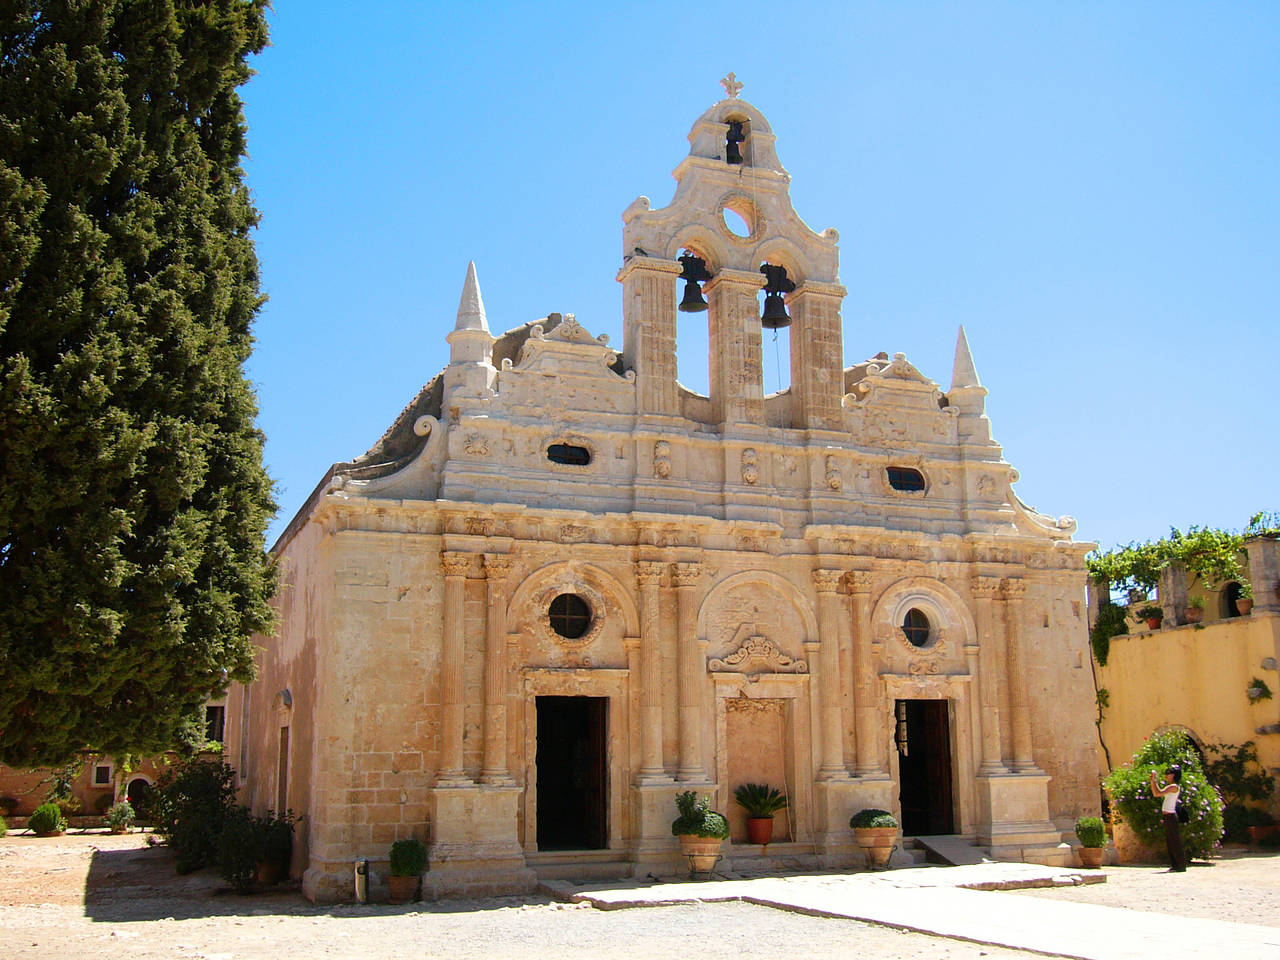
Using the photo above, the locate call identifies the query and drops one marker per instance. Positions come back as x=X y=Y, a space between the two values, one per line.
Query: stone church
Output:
x=562 y=587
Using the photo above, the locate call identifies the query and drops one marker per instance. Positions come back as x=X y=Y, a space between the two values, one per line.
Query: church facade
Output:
x=562 y=587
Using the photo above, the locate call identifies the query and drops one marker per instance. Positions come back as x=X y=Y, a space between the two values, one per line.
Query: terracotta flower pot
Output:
x=1153 y=623
x=270 y=872
x=877 y=843
x=760 y=829
x=1244 y=605
x=403 y=889
x=1090 y=857
x=701 y=852
x=1257 y=833
x=1195 y=614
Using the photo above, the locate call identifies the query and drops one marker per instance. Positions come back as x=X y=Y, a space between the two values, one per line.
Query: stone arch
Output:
x=571 y=573
x=935 y=599
x=785 y=252
x=704 y=241
x=778 y=583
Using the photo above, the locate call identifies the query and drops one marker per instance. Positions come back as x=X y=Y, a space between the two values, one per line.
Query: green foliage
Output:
x=239 y=844
x=1131 y=798
x=872 y=817
x=121 y=815
x=1091 y=832
x=1237 y=819
x=1237 y=773
x=408 y=858
x=1110 y=623
x=102 y=802
x=1258 y=690
x=697 y=818
x=4 y=827
x=1211 y=554
x=188 y=807
x=133 y=499
x=47 y=818
x=1149 y=612
x=277 y=835
x=759 y=799
x=1195 y=603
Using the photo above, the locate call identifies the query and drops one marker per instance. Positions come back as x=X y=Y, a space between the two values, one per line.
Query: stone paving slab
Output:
x=955 y=902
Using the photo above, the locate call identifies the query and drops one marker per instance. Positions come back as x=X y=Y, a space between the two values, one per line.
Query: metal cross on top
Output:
x=731 y=85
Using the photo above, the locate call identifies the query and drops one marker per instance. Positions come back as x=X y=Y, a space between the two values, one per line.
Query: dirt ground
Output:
x=113 y=896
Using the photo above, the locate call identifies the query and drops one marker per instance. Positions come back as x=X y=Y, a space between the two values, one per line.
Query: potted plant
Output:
x=1092 y=834
x=408 y=861
x=120 y=817
x=877 y=834
x=47 y=821
x=700 y=831
x=1195 y=609
x=761 y=802
x=276 y=839
x=1152 y=614
x=1244 y=602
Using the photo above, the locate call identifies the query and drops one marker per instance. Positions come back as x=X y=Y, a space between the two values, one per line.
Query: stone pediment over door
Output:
x=755 y=654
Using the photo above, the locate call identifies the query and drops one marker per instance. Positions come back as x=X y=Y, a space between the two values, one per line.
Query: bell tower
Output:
x=732 y=166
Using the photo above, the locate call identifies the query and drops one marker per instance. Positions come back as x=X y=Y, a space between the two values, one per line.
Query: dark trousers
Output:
x=1173 y=838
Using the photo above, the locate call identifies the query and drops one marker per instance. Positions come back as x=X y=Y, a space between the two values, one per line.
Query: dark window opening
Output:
x=1229 y=597
x=733 y=140
x=570 y=616
x=102 y=775
x=906 y=479
x=215 y=720
x=916 y=627
x=568 y=454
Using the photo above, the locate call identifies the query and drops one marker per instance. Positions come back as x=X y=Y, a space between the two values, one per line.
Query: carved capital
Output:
x=649 y=572
x=455 y=563
x=827 y=581
x=497 y=565
x=1013 y=589
x=984 y=588
x=859 y=582
x=686 y=574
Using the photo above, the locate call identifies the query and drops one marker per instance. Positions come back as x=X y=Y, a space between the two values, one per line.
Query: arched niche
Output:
x=614 y=616
x=951 y=620
x=740 y=603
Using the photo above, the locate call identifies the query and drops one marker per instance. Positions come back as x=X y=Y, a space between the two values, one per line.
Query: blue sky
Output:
x=1089 y=188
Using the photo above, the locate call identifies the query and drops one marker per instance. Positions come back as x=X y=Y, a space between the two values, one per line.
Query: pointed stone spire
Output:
x=471 y=307
x=963 y=373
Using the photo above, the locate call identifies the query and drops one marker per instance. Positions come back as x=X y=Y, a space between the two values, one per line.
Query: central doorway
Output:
x=572 y=773
x=923 y=738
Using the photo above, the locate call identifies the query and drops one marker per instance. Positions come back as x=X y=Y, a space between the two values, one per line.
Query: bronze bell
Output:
x=732 y=152
x=775 y=308
x=694 y=273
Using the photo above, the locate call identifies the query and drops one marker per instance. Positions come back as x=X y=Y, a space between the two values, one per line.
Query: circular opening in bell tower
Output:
x=736 y=223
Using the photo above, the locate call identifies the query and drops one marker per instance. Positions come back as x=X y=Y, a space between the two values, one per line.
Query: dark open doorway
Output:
x=572 y=773
x=923 y=735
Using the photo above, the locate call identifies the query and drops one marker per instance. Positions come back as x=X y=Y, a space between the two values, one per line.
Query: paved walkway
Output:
x=955 y=902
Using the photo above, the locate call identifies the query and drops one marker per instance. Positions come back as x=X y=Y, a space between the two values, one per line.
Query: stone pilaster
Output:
x=692 y=668
x=817 y=377
x=649 y=321
x=984 y=590
x=652 y=768
x=494 y=771
x=868 y=760
x=737 y=380
x=1013 y=592
x=451 y=772
x=827 y=583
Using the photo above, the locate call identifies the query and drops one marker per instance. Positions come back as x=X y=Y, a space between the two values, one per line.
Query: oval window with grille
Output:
x=569 y=454
x=906 y=479
x=916 y=627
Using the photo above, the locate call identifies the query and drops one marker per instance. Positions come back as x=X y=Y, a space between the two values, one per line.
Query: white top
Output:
x=1170 y=804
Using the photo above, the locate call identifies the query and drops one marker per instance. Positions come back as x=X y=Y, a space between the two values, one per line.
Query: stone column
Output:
x=737 y=380
x=826 y=582
x=652 y=770
x=984 y=590
x=692 y=665
x=649 y=313
x=494 y=771
x=817 y=378
x=1014 y=591
x=868 y=760
x=451 y=772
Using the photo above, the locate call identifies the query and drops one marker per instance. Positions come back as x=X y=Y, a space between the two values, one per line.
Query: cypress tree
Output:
x=133 y=498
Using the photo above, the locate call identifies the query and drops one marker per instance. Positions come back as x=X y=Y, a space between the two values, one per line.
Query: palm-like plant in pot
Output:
x=408 y=861
x=877 y=834
x=700 y=831
x=760 y=802
x=1092 y=834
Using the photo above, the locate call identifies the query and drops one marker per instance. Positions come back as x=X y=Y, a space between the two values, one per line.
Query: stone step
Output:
x=950 y=849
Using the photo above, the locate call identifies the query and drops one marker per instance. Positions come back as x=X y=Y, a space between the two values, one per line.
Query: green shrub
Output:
x=188 y=808
x=1131 y=797
x=4 y=827
x=1237 y=819
x=102 y=803
x=1270 y=840
x=697 y=818
x=120 y=815
x=872 y=817
x=1091 y=832
x=277 y=836
x=408 y=858
x=239 y=849
x=759 y=799
x=47 y=818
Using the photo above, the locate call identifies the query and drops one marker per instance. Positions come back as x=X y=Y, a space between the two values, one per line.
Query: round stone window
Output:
x=916 y=627
x=570 y=616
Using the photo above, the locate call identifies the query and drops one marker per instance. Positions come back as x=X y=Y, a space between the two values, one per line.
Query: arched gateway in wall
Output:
x=562 y=588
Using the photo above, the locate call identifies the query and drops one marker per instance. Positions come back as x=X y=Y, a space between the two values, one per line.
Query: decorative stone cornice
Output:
x=757 y=655
x=859 y=582
x=984 y=588
x=827 y=581
x=456 y=563
x=649 y=572
x=497 y=565
x=685 y=574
